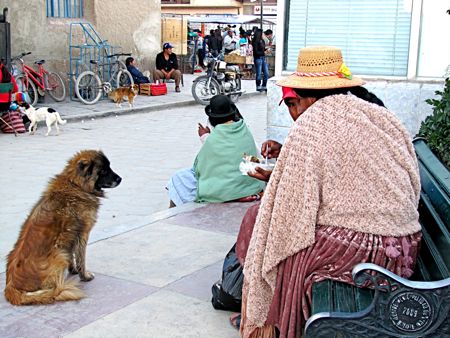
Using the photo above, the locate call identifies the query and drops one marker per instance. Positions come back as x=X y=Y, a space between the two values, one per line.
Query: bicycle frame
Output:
x=30 y=73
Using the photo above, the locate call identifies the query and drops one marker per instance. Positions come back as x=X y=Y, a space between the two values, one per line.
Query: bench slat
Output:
x=344 y=298
x=363 y=298
x=437 y=196
x=323 y=294
x=436 y=229
x=431 y=257
x=433 y=165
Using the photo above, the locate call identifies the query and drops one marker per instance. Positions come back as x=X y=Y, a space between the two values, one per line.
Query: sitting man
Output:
x=138 y=77
x=167 y=66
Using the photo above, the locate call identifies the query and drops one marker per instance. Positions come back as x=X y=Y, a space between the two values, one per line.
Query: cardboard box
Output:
x=174 y=30
x=144 y=89
x=234 y=58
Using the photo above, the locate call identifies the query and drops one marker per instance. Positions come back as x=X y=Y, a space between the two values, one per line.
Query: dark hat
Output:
x=221 y=106
x=167 y=45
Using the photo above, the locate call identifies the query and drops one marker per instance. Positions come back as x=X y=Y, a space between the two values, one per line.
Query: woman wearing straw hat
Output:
x=345 y=190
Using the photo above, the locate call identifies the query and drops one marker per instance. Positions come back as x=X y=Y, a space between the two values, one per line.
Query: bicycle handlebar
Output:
x=119 y=54
x=20 y=56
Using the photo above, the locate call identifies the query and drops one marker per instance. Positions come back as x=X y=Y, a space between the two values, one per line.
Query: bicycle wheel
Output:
x=55 y=86
x=88 y=87
x=27 y=87
x=124 y=79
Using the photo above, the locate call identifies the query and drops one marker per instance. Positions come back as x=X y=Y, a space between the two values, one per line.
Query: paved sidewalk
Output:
x=153 y=281
x=76 y=110
x=154 y=269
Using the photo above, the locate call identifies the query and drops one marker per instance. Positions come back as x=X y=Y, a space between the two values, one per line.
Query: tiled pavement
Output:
x=154 y=270
x=153 y=281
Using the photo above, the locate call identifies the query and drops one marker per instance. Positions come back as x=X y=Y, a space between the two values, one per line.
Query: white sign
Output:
x=266 y=10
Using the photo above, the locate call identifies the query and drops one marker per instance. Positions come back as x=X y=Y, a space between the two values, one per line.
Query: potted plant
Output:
x=435 y=130
x=436 y=127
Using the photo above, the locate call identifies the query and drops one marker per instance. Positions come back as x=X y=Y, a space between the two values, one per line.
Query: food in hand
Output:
x=251 y=158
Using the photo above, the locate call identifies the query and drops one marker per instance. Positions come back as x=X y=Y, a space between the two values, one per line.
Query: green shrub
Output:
x=436 y=127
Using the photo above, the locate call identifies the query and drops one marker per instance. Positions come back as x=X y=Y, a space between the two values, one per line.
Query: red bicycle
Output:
x=36 y=83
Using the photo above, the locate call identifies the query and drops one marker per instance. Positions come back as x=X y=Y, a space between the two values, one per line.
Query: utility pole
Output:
x=261 y=13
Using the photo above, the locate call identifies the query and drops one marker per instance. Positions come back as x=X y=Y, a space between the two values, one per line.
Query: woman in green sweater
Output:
x=215 y=176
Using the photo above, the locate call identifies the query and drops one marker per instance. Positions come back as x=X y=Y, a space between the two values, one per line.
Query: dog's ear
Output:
x=85 y=167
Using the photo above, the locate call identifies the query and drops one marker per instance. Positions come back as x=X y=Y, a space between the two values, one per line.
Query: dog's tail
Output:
x=65 y=290
x=60 y=120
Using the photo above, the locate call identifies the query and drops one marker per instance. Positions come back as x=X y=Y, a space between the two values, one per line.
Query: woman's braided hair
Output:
x=358 y=91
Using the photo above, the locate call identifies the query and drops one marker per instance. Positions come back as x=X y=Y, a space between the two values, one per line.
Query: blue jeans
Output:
x=261 y=67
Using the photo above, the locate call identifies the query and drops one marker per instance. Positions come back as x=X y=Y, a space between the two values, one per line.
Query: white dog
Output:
x=49 y=115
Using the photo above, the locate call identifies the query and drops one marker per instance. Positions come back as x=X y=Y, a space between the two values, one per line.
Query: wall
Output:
x=205 y=7
x=134 y=25
x=405 y=99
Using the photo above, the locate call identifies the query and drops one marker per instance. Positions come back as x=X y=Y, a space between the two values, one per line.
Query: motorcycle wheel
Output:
x=235 y=97
x=203 y=93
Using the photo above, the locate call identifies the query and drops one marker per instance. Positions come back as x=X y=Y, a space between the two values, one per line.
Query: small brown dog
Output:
x=55 y=234
x=117 y=95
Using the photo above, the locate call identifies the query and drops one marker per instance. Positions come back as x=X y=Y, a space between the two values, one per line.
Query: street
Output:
x=145 y=149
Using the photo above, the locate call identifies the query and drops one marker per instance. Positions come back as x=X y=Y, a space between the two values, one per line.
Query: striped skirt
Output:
x=333 y=255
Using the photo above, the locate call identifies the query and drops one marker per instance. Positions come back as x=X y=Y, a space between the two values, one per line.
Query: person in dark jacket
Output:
x=259 y=49
x=138 y=77
x=215 y=42
x=167 y=66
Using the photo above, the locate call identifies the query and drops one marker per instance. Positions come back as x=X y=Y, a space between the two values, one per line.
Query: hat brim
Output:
x=323 y=82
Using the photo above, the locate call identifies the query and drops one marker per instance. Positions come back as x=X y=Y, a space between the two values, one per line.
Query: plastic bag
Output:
x=227 y=293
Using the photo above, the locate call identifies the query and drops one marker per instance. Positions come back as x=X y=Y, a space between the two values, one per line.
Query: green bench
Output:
x=393 y=306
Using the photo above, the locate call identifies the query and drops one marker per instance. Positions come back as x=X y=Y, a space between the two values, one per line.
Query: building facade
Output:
x=43 y=27
x=193 y=7
x=397 y=47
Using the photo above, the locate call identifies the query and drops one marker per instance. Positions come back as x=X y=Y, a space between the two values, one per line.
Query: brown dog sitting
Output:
x=54 y=236
x=117 y=95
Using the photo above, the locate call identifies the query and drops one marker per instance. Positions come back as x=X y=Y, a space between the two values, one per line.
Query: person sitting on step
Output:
x=138 y=76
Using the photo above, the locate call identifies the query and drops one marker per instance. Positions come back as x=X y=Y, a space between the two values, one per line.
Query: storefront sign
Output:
x=267 y=10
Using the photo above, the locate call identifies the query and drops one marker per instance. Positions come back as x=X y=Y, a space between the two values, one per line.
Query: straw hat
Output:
x=320 y=68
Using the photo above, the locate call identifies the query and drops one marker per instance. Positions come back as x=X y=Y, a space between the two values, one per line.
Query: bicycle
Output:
x=36 y=83
x=89 y=85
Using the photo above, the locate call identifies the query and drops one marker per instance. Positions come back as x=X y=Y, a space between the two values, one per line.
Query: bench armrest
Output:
x=361 y=278
x=400 y=308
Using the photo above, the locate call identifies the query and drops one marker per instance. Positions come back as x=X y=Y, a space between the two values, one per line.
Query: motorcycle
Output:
x=219 y=79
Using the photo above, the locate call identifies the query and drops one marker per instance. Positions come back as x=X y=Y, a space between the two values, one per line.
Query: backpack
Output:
x=227 y=292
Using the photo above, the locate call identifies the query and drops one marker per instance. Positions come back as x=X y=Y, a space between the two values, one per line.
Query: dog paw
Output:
x=88 y=276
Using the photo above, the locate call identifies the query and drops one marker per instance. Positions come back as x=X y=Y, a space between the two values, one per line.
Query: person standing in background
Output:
x=259 y=56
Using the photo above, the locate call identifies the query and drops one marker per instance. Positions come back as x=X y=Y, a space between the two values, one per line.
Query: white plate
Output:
x=246 y=167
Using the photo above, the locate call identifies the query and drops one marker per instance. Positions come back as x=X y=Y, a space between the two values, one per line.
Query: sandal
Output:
x=235 y=320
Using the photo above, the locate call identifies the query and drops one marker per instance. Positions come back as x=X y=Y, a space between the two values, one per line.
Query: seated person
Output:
x=138 y=77
x=6 y=77
x=344 y=190
x=167 y=66
x=215 y=176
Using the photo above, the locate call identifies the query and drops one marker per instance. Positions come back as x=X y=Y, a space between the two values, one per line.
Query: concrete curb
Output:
x=143 y=109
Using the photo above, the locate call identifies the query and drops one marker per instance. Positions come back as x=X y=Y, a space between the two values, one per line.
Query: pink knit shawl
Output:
x=345 y=163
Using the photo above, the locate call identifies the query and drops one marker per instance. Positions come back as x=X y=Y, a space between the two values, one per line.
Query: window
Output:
x=64 y=8
x=372 y=34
